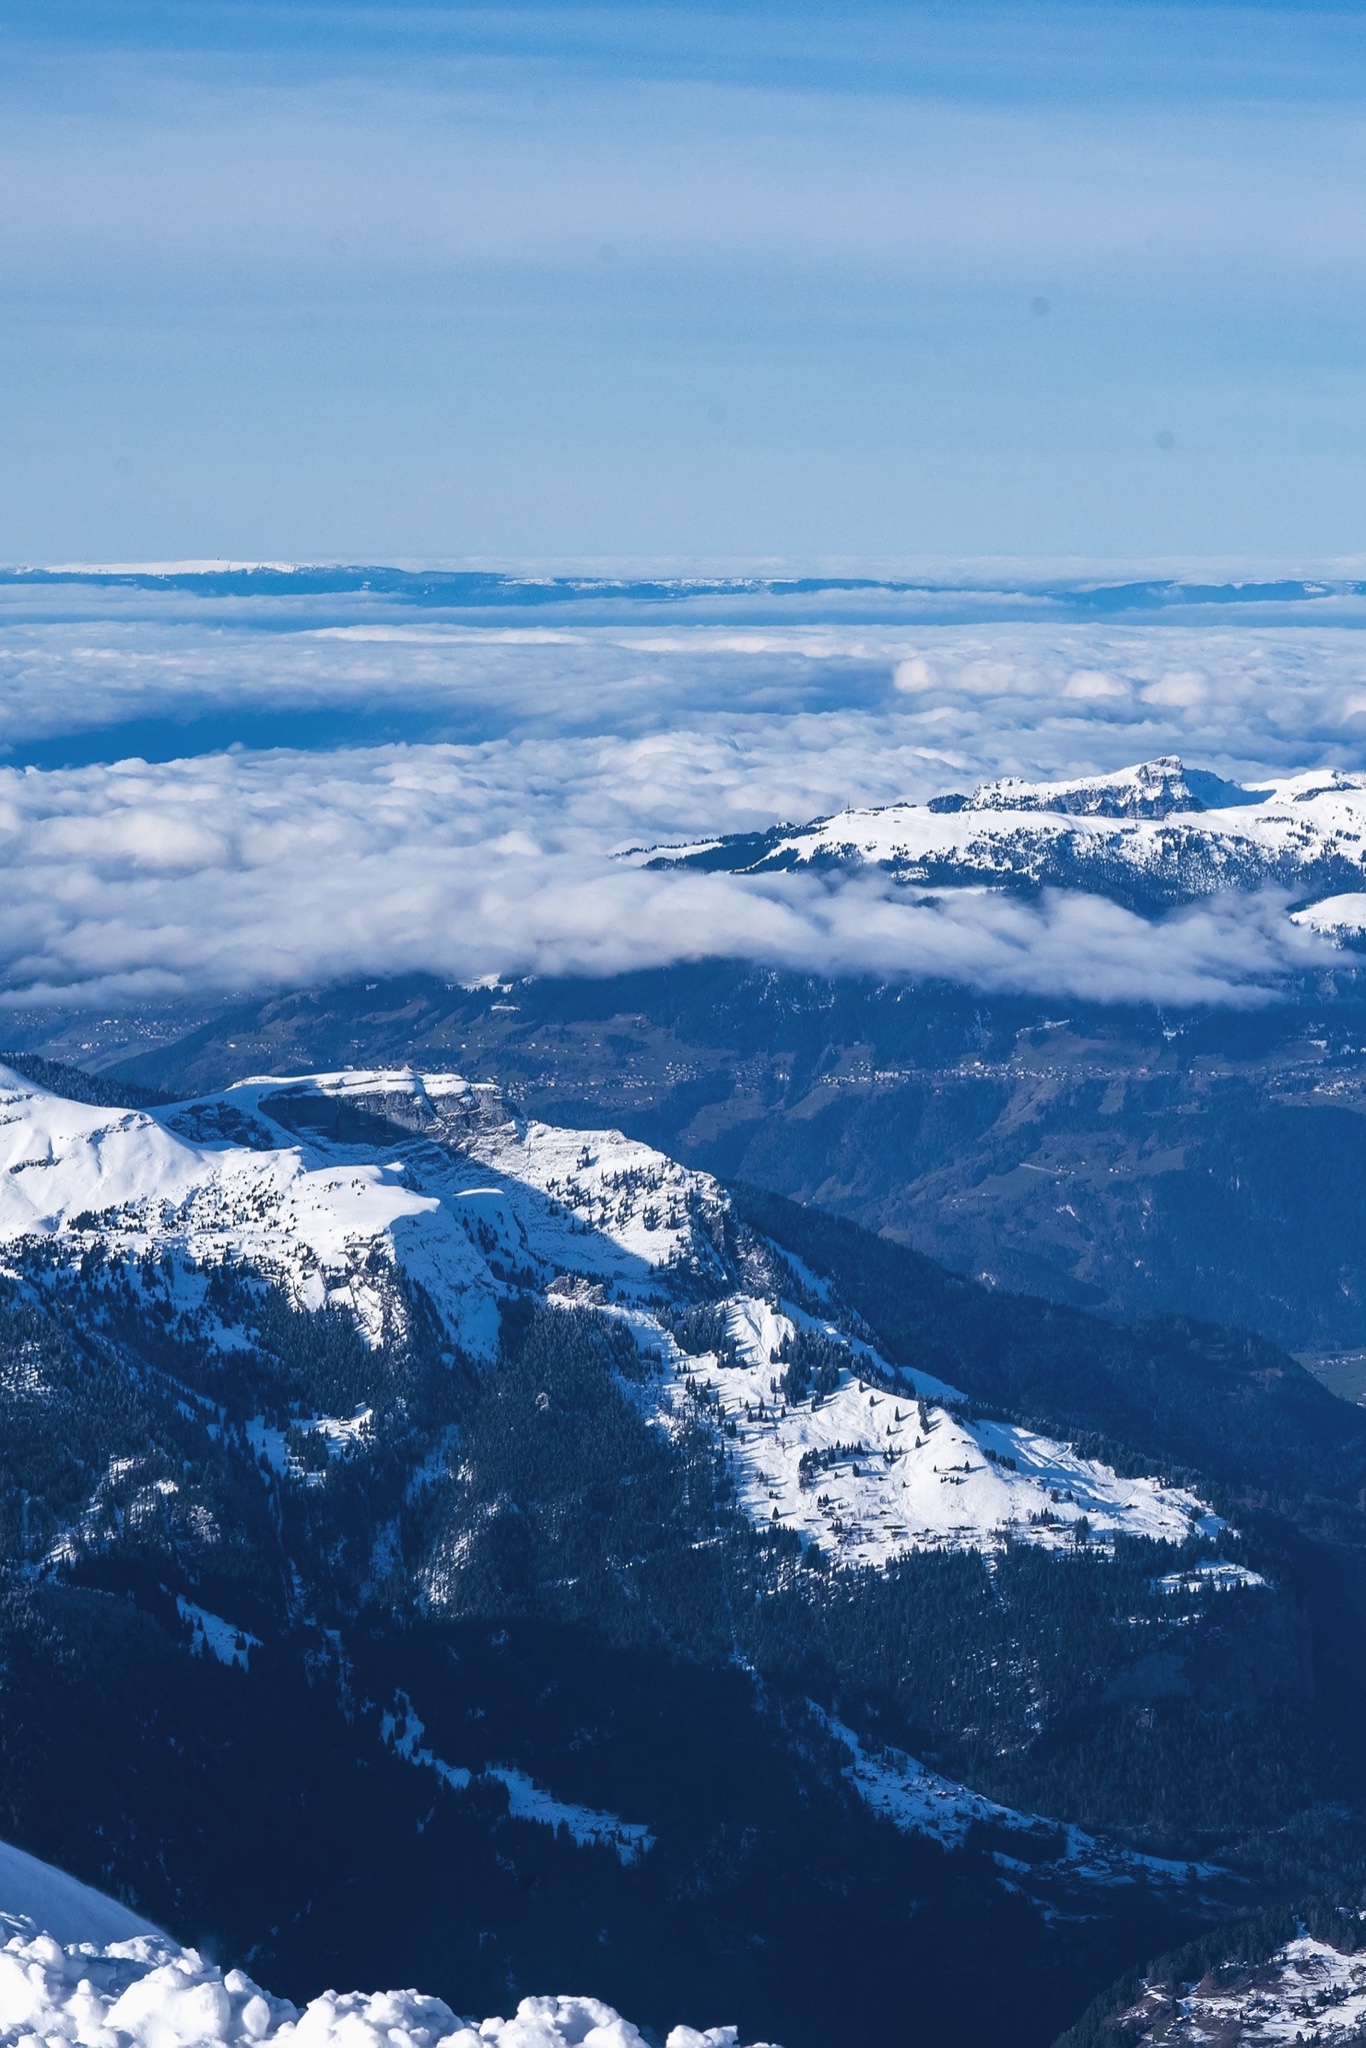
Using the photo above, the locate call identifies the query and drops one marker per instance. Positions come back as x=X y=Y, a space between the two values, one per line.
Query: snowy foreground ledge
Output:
x=147 y=1991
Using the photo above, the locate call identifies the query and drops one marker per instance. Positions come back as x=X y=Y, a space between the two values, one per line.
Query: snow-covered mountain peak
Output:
x=1149 y=836
x=1149 y=789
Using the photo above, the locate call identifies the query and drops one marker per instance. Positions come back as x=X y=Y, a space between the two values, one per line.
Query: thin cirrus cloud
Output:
x=484 y=837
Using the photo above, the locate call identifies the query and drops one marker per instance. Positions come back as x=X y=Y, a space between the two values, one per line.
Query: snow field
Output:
x=865 y=1474
x=146 y=1993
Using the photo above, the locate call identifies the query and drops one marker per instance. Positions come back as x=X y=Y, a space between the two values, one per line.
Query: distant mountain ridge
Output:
x=1151 y=837
x=1151 y=789
x=1029 y=592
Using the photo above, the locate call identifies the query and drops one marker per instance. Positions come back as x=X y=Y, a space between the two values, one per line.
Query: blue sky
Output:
x=849 y=283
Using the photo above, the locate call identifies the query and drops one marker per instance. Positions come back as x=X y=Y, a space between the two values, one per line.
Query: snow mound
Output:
x=61 y=1905
x=147 y=1992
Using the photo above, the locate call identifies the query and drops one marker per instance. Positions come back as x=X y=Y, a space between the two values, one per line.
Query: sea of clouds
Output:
x=201 y=801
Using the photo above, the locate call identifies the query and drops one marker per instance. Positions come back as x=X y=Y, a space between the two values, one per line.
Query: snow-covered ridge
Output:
x=307 y=1178
x=342 y=1185
x=1151 y=789
x=1156 y=833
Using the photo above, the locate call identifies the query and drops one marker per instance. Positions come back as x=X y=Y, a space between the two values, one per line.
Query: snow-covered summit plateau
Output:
x=1151 y=836
x=329 y=1183
x=367 y=1191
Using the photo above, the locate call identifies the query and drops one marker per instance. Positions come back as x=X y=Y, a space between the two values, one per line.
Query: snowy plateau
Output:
x=365 y=1192
x=77 y=1968
x=1151 y=836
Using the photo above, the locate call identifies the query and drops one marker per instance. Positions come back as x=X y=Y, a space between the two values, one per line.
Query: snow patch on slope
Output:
x=866 y=1474
x=221 y=1639
x=589 y=1826
x=403 y=1732
x=919 y=1801
x=1214 y=1575
x=1306 y=1992
x=586 y=1825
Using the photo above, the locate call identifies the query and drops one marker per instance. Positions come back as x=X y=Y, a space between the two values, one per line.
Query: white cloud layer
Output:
x=492 y=854
x=900 y=706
